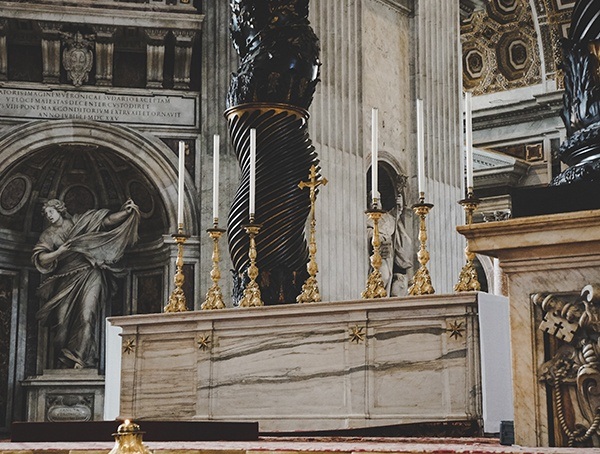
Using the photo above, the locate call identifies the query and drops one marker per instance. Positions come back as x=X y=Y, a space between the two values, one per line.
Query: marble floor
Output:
x=302 y=445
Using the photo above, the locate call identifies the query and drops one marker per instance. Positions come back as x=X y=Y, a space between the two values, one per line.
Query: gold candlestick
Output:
x=421 y=282
x=375 y=287
x=214 y=297
x=310 y=289
x=177 y=302
x=128 y=439
x=252 y=296
x=467 y=280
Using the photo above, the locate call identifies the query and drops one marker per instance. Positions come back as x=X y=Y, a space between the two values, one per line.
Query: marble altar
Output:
x=321 y=366
x=557 y=253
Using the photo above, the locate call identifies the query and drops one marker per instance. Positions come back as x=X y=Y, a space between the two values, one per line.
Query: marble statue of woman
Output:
x=78 y=254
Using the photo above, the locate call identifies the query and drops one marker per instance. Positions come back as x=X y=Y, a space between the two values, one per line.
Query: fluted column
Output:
x=219 y=60
x=105 y=46
x=336 y=124
x=183 y=57
x=3 y=50
x=155 y=51
x=438 y=83
x=50 y=51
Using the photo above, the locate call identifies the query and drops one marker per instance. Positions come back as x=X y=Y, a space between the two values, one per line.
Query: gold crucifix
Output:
x=310 y=289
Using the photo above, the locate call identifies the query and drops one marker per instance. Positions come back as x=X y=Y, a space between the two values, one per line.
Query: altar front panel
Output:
x=307 y=367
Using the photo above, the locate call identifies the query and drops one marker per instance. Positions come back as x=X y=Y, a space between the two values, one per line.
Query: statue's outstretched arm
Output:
x=115 y=219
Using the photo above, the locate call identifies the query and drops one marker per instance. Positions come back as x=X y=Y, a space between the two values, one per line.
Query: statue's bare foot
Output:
x=77 y=366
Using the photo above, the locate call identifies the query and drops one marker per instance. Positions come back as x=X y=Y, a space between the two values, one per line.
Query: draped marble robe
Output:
x=80 y=281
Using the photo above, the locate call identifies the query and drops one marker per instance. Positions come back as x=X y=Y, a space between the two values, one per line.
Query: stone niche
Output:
x=317 y=366
x=61 y=395
x=548 y=260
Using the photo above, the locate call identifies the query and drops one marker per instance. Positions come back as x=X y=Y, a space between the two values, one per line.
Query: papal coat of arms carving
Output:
x=77 y=57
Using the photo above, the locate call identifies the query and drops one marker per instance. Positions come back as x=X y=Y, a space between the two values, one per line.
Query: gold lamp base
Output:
x=128 y=440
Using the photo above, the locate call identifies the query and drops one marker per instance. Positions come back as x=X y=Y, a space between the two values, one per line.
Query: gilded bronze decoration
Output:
x=375 y=287
x=421 y=281
x=573 y=372
x=310 y=289
x=203 y=342
x=270 y=92
x=467 y=280
x=129 y=346
x=581 y=99
x=128 y=440
x=455 y=329
x=252 y=296
x=177 y=301
x=214 y=297
x=357 y=334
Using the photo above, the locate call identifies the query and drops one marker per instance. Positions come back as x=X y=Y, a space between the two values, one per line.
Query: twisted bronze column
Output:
x=271 y=93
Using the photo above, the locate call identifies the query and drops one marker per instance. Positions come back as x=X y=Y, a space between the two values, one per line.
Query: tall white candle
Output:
x=420 y=146
x=374 y=155
x=216 y=143
x=252 y=172
x=180 y=188
x=469 y=139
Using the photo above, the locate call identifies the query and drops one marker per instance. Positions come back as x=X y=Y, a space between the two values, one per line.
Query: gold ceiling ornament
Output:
x=455 y=329
x=252 y=296
x=214 y=297
x=467 y=280
x=177 y=301
x=421 y=281
x=203 y=342
x=128 y=439
x=375 y=287
x=357 y=334
x=129 y=345
x=310 y=289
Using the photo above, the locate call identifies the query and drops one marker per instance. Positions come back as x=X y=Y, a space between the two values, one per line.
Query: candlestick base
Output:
x=252 y=296
x=468 y=280
x=177 y=301
x=214 y=297
x=310 y=289
x=375 y=287
x=421 y=281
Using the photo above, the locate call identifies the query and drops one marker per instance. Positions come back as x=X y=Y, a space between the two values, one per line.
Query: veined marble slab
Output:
x=555 y=254
x=307 y=367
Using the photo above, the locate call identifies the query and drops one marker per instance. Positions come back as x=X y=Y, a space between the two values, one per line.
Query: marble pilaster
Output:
x=3 y=50
x=155 y=54
x=105 y=47
x=219 y=61
x=438 y=81
x=183 y=57
x=553 y=253
x=50 y=51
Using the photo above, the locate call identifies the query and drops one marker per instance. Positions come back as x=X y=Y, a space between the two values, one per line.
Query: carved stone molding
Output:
x=155 y=51
x=50 y=51
x=183 y=57
x=105 y=46
x=573 y=372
